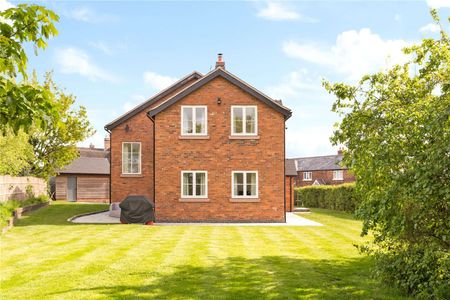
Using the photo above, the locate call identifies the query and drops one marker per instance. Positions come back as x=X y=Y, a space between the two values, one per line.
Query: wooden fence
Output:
x=17 y=187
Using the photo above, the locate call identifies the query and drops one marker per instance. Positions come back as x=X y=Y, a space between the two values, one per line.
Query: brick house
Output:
x=208 y=148
x=86 y=179
x=321 y=170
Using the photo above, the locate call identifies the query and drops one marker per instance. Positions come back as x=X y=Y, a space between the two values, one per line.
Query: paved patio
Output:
x=103 y=218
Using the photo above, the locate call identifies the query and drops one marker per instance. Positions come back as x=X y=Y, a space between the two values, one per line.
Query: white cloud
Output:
x=4 y=5
x=157 y=81
x=134 y=101
x=75 y=61
x=354 y=54
x=438 y=3
x=102 y=47
x=279 y=12
x=85 y=14
x=430 y=27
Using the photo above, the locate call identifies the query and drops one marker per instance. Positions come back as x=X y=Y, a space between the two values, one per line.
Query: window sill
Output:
x=132 y=175
x=193 y=137
x=193 y=200
x=244 y=137
x=338 y=179
x=307 y=180
x=244 y=200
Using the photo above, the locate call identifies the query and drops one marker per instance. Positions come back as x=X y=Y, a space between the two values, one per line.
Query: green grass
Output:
x=46 y=257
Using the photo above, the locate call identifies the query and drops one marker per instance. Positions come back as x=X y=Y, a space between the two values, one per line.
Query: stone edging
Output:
x=18 y=212
x=86 y=214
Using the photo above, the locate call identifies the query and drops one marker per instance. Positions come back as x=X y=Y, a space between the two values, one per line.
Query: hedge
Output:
x=337 y=197
x=7 y=208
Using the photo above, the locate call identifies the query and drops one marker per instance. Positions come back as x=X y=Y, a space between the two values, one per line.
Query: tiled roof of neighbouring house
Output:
x=290 y=167
x=91 y=161
x=318 y=163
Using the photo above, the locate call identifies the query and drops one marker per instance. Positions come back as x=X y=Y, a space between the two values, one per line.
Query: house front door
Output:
x=72 y=188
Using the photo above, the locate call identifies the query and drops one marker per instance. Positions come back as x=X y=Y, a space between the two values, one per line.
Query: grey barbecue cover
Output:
x=136 y=209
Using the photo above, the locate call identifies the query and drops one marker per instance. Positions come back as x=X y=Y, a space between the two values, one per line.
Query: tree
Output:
x=22 y=103
x=55 y=144
x=396 y=129
x=16 y=153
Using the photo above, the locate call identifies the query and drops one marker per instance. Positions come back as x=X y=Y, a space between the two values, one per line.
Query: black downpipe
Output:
x=110 y=163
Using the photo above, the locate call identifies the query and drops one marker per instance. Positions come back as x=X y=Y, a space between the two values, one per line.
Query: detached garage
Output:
x=86 y=179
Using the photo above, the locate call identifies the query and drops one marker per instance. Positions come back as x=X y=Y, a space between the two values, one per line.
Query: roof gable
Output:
x=231 y=78
x=153 y=99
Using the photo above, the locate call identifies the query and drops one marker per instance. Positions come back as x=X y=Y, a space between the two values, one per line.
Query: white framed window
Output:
x=244 y=184
x=194 y=120
x=194 y=184
x=244 y=120
x=131 y=158
x=338 y=175
x=307 y=176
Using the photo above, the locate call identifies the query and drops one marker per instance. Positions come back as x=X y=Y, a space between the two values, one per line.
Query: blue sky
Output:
x=114 y=55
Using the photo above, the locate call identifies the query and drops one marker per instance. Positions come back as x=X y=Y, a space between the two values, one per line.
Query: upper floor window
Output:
x=244 y=120
x=245 y=184
x=131 y=158
x=307 y=176
x=338 y=175
x=194 y=184
x=193 y=120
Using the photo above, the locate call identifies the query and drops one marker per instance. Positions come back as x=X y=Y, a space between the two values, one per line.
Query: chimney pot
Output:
x=220 y=63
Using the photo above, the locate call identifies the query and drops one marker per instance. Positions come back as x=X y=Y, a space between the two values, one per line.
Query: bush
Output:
x=337 y=197
x=7 y=208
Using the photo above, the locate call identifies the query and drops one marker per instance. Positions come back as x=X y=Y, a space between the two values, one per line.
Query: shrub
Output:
x=7 y=208
x=337 y=197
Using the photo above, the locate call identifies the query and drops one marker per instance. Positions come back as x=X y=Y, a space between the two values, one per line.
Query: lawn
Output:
x=46 y=257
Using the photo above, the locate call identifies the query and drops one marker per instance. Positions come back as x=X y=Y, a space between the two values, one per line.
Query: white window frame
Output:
x=244 y=120
x=341 y=175
x=194 y=172
x=307 y=178
x=193 y=107
x=233 y=196
x=140 y=158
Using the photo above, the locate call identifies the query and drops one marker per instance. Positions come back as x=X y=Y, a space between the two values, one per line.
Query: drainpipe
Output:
x=110 y=163
x=284 y=169
x=154 y=161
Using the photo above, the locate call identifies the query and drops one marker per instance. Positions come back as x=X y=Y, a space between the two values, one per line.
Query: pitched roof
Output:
x=231 y=78
x=91 y=161
x=153 y=99
x=318 y=163
x=290 y=169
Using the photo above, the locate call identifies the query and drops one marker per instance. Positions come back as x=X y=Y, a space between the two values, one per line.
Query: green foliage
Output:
x=22 y=103
x=336 y=197
x=55 y=145
x=8 y=207
x=15 y=152
x=396 y=128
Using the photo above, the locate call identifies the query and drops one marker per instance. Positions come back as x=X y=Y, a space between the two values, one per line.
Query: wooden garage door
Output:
x=93 y=188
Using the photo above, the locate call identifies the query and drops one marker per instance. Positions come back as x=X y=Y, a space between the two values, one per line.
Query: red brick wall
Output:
x=290 y=193
x=325 y=175
x=140 y=130
x=219 y=155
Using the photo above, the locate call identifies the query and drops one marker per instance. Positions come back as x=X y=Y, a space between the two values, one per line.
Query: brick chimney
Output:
x=220 y=62
x=107 y=143
x=340 y=151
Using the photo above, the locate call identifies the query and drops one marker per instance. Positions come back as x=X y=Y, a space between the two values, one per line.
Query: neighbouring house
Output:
x=291 y=176
x=321 y=170
x=86 y=179
x=208 y=148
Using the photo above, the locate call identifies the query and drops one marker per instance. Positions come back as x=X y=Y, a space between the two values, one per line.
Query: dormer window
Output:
x=194 y=120
x=244 y=120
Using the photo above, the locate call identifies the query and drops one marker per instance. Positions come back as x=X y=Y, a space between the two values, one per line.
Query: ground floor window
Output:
x=245 y=184
x=307 y=176
x=194 y=184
